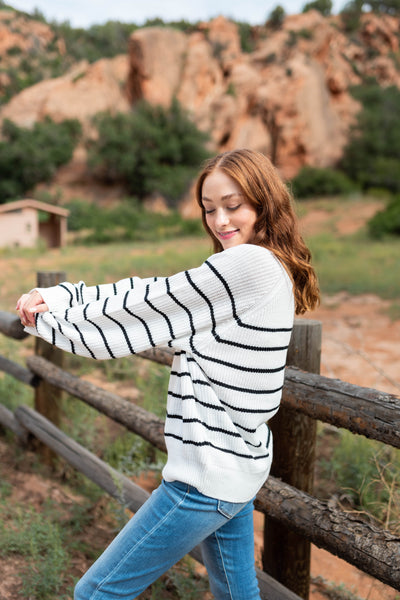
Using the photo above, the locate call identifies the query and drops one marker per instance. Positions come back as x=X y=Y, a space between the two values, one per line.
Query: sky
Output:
x=84 y=13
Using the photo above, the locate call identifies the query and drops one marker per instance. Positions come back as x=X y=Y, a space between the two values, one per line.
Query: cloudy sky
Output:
x=83 y=13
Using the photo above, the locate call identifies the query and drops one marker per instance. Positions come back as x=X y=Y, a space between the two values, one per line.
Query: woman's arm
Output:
x=66 y=295
x=162 y=311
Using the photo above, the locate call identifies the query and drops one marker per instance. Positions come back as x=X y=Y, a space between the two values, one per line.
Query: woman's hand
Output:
x=28 y=305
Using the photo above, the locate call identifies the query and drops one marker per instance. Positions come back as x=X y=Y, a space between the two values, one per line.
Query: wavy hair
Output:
x=276 y=227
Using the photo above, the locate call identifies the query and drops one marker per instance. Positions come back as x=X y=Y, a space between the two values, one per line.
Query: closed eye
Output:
x=209 y=211
x=234 y=207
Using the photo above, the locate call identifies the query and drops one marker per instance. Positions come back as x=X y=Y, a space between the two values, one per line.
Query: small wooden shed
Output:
x=24 y=222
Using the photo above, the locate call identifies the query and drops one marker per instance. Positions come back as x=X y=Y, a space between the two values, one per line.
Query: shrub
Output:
x=150 y=150
x=372 y=155
x=386 y=221
x=247 y=40
x=323 y=6
x=127 y=221
x=276 y=17
x=312 y=181
x=99 y=41
x=30 y=156
x=368 y=473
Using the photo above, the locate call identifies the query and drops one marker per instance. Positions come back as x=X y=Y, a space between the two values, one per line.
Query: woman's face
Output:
x=229 y=215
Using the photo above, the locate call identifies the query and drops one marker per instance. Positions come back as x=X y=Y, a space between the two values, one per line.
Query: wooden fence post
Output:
x=286 y=555
x=47 y=396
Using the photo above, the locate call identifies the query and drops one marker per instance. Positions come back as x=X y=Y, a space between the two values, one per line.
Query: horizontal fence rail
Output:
x=365 y=411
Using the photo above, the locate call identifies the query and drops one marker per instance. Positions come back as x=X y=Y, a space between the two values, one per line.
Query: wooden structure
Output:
x=292 y=510
x=24 y=222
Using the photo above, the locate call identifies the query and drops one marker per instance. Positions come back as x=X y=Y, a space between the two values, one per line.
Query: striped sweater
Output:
x=229 y=322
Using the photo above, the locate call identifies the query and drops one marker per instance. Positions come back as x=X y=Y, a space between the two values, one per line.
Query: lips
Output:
x=226 y=235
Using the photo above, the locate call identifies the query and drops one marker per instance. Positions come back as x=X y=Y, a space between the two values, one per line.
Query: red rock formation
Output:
x=79 y=94
x=288 y=98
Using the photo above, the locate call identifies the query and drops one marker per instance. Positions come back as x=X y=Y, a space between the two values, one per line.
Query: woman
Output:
x=229 y=322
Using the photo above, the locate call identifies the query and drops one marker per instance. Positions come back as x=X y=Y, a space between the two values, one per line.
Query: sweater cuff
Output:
x=56 y=297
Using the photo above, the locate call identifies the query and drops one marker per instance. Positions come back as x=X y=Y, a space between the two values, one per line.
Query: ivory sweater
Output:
x=229 y=322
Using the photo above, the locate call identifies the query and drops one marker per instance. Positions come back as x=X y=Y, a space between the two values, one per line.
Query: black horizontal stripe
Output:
x=70 y=341
x=206 y=443
x=81 y=293
x=191 y=397
x=209 y=427
x=139 y=319
x=232 y=365
x=245 y=390
x=212 y=428
x=235 y=366
x=128 y=342
x=71 y=300
x=234 y=311
x=165 y=317
x=101 y=331
x=248 y=347
x=269 y=437
x=83 y=340
x=226 y=385
x=255 y=411
x=181 y=374
x=175 y=299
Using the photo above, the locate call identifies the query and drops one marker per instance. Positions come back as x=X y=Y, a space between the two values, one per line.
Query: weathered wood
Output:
x=47 y=396
x=135 y=418
x=164 y=356
x=366 y=411
x=287 y=554
x=11 y=326
x=18 y=371
x=370 y=548
x=362 y=410
x=114 y=483
x=7 y=419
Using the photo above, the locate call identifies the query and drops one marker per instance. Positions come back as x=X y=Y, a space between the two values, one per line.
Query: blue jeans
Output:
x=174 y=520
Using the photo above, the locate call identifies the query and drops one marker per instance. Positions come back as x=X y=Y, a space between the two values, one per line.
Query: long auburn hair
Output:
x=276 y=227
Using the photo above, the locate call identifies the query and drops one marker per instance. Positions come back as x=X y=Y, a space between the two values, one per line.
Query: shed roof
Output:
x=36 y=204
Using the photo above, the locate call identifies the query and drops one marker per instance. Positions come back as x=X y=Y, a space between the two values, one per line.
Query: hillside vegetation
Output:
x=149 y=150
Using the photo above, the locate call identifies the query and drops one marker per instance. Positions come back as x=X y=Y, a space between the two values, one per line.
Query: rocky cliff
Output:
x=289 y=97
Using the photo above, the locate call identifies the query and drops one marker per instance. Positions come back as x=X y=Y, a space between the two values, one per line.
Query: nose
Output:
x=221 y=218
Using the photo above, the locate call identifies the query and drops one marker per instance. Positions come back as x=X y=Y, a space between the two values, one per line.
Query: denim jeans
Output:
x=174 y=520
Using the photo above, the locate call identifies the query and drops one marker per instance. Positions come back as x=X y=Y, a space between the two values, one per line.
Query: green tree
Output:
x=373 y=153
x=352 y=11
x=31 y=156
x=323 y=6
x=314 y=181
x=151 y=149
x=351 y=14
x=276 y=17
x=386 y=221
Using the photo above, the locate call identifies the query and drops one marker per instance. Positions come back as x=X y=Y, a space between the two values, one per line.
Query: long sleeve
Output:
x=68 y=295
x=133 y=315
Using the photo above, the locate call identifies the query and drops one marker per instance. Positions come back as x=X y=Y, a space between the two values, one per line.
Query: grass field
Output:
x=352 y=263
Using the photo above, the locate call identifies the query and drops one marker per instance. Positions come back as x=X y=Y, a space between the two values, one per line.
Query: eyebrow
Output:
x=223 y=198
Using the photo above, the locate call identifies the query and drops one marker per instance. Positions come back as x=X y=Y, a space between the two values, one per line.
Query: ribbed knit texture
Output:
x=230 y=322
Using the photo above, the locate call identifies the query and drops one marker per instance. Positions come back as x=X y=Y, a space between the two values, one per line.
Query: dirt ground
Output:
x=360 y=344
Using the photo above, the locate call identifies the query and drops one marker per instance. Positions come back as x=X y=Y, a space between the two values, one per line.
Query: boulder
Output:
x=84 y=91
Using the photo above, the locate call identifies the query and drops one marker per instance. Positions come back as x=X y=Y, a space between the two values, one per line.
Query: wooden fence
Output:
x=293 y=517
